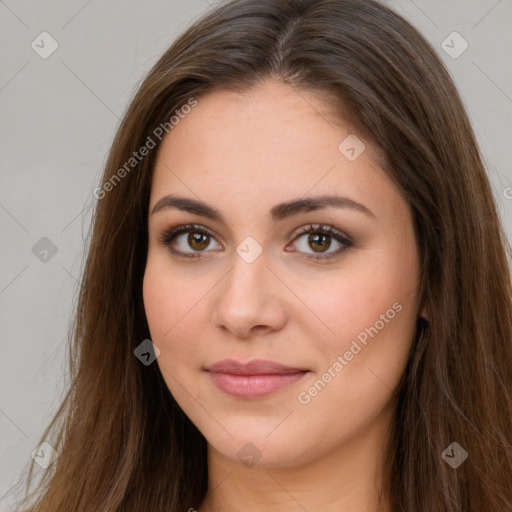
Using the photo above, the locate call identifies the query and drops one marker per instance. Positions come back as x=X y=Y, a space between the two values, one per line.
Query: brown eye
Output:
x=319 y=242
x=198 y=241
x=195 y=241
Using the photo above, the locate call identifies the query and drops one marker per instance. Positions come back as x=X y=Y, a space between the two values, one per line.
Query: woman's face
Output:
x=278 y=358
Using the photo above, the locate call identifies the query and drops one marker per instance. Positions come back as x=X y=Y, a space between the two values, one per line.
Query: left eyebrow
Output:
x=277 y=213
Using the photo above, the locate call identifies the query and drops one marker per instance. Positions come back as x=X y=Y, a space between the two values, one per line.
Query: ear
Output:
x=424 y=313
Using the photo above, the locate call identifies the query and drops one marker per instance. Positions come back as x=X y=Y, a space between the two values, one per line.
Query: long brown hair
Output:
x=123 y=442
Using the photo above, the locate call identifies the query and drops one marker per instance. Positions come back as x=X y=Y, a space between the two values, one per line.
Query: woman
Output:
x=228 y=356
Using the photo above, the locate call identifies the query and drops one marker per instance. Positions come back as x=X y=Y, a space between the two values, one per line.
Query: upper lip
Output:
x=254 y=367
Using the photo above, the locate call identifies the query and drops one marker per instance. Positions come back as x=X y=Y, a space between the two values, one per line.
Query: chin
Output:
x=252 y=445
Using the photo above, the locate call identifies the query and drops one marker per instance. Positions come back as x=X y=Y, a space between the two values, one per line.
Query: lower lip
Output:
x=254 y=386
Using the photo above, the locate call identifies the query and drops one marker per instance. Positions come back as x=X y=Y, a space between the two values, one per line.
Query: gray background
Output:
x=59 y=116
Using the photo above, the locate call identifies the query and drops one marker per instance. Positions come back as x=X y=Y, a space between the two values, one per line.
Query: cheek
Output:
x=176 y=310
x=168 y=295
x=363 y=363
x=368 y=291
x=371 y=311
x=159 y=301
x=169 y=307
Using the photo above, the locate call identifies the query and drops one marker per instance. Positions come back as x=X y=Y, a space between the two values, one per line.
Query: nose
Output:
x=249 y=299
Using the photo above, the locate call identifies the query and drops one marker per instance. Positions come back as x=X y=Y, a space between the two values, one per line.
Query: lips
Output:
x=254 y=379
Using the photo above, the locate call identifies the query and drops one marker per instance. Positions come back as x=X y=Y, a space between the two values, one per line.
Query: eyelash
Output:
x=166 y=237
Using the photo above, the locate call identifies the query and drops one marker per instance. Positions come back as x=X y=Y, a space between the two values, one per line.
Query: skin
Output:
x=243 y=153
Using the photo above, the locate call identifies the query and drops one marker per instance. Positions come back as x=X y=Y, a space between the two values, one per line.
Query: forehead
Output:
x=270 y=143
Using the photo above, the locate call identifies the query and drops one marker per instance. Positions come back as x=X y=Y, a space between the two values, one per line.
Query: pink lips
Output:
x=253 y=379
